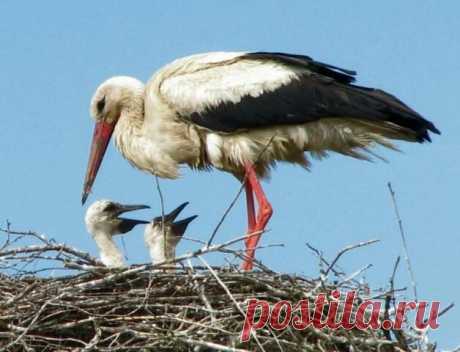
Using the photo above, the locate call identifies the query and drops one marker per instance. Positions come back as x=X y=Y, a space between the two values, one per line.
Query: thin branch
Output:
x=445 y=310
x=346 y=249
x=227 y=211
x=403 y=237
x=323 y=260
x=162 y=203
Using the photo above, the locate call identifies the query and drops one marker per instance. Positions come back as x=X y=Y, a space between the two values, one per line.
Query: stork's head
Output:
x=103 y=216
x=172 y=229
x=113 y=98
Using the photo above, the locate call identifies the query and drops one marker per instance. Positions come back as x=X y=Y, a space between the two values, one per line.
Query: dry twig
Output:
x=403 y=237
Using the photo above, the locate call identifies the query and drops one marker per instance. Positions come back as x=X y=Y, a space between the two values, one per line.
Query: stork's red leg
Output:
x=250 y=209
x=263 y=216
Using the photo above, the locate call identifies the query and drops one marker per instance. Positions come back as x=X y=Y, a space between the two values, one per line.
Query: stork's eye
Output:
x=157 y=220
x=101 y=105
x=110 y=207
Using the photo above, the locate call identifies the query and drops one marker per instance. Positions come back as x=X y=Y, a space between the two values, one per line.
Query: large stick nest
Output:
x=144 y=308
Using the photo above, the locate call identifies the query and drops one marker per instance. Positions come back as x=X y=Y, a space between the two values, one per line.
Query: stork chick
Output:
x=162 y=235
x=103 y=222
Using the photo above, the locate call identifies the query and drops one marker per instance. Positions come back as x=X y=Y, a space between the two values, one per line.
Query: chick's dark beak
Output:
x=125 y=208
x=179 y=227
x=172 y=215
x=126 y=224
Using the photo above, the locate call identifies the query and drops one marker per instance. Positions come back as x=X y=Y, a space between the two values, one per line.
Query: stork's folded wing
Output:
x=256 y=90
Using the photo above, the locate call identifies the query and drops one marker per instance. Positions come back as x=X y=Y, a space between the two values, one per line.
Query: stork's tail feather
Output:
x=401 y=115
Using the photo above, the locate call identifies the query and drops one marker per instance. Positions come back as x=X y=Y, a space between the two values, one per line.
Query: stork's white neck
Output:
x=161 y=250
x=109 y=252
x=149 y=135
x=162 y=247
x=148 y=149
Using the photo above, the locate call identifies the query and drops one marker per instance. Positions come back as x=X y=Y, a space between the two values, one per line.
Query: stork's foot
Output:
x=256 y=225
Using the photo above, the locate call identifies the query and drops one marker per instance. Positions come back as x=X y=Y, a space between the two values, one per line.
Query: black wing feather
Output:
x=338 y=74
x=323 y=93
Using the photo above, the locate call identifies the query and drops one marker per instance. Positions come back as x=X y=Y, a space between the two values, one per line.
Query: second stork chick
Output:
x=163 y=234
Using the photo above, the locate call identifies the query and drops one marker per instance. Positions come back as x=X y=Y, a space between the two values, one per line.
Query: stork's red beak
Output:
x=101 y=137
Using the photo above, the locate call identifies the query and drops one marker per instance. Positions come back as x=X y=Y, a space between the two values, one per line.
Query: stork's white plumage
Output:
x=241 y=113
x=163 y=234
x=103 y=222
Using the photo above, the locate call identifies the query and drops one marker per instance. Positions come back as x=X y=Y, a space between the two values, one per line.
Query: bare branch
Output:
x=403 y=237
x=346 y=249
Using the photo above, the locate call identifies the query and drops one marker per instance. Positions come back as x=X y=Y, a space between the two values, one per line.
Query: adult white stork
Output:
x=241 y=113
x=103 y=222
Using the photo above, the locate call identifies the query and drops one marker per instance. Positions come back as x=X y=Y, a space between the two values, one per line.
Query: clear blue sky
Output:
x=54 y=54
